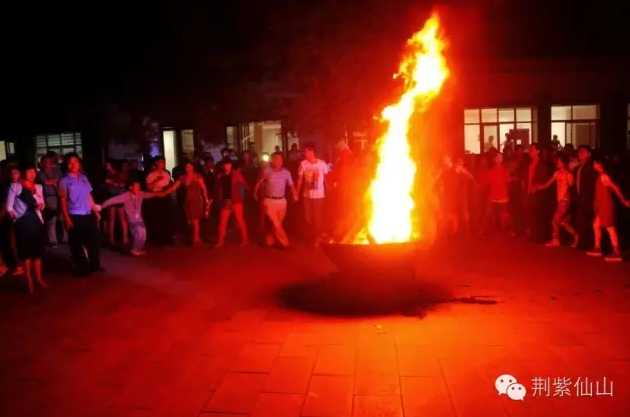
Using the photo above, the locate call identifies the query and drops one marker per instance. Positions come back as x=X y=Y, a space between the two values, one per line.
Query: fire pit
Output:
x=389 y=259
x=372 y=280
x=376 y=256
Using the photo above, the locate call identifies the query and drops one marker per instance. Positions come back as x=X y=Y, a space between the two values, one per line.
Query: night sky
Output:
x=60 y=58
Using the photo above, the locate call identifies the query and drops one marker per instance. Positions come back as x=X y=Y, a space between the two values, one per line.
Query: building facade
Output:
x=581 y=102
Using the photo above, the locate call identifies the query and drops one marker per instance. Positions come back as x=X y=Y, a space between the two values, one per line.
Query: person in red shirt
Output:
x=497 y=181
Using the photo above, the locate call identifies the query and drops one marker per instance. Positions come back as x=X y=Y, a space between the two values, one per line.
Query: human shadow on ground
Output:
x=364 y=296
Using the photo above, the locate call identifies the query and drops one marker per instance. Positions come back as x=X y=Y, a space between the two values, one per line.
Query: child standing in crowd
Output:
x=25 y=202
x=564 y=181
x=605 y=212
x=131 y=202
x=115 y=184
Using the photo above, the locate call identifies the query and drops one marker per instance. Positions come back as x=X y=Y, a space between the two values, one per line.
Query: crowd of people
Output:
x=196 y=202
x=549 y=195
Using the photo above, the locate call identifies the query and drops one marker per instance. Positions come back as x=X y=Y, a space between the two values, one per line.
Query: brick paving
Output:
x=203 y=332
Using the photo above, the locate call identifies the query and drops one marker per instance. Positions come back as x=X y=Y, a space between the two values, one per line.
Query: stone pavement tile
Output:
x=609 y=346
x=411 y=337
x=222 y=342
x=249 y=319
x=377 y=375
x=565 y=402
x=256 y=357
x=129 y=370
x=345 y=333
x=498 y=361
x=377 y=407
x=379 y=383
x=336 y=360
x=583 y=360
x=206 y=371
x=426 y=396
x=278 y=405
x=272 y=332
x=300 y=345
x=279 y=314
x=237 y=393
x=376 y=347
x=471 y=392
x=290 y=375
x=57 y=364
x=418 y=361
x=620 y=369
x=329 y=396
x=182 y=402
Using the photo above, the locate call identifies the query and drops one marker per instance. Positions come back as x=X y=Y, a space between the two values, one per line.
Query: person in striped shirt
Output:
x=275 y=180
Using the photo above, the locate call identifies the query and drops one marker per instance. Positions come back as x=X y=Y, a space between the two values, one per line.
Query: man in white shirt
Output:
x=312 y=173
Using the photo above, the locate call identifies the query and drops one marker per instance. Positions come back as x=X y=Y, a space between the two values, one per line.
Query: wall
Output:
x=542 y=84
x=123 y=151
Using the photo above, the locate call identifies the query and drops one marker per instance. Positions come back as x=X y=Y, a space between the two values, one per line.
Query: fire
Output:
x=391 y=192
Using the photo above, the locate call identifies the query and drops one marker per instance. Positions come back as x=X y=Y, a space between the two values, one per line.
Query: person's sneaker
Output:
x=613 y=257
x=136 y=252
x=597 y=252
x=553 y=244
x=18 y=271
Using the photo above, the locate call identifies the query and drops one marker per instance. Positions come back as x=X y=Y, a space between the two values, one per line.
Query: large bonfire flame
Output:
x=391 y=192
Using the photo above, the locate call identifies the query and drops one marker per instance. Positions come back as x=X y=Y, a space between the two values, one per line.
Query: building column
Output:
x=542 y=119
x=613 y=123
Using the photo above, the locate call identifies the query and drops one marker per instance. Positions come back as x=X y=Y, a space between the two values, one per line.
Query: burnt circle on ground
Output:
x=367 y=296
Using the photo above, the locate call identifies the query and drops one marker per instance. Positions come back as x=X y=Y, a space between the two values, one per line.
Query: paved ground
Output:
x=206 y=332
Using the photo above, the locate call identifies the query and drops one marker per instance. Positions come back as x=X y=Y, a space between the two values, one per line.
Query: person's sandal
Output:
x=614 y=257
x=595 y=252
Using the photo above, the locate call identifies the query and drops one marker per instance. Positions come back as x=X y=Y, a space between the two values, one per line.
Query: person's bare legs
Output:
x=111 y=224
x=566 y=225
x=29 y=275
x=597 y=233
x=242 y=225
x=223 y=221
x=37 y=266
x=124 y=226
x=614 y=239
x=195 y=232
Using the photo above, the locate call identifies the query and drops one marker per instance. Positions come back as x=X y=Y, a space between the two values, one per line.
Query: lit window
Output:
x=491 y=128
x=60 y=143
x=577 y=125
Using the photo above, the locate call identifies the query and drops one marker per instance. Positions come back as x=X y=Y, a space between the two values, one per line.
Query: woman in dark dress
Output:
x=25 y=203
x=230 y=197
x=196 y=202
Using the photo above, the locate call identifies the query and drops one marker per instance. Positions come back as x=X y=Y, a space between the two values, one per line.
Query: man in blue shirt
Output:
x=80 y=217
